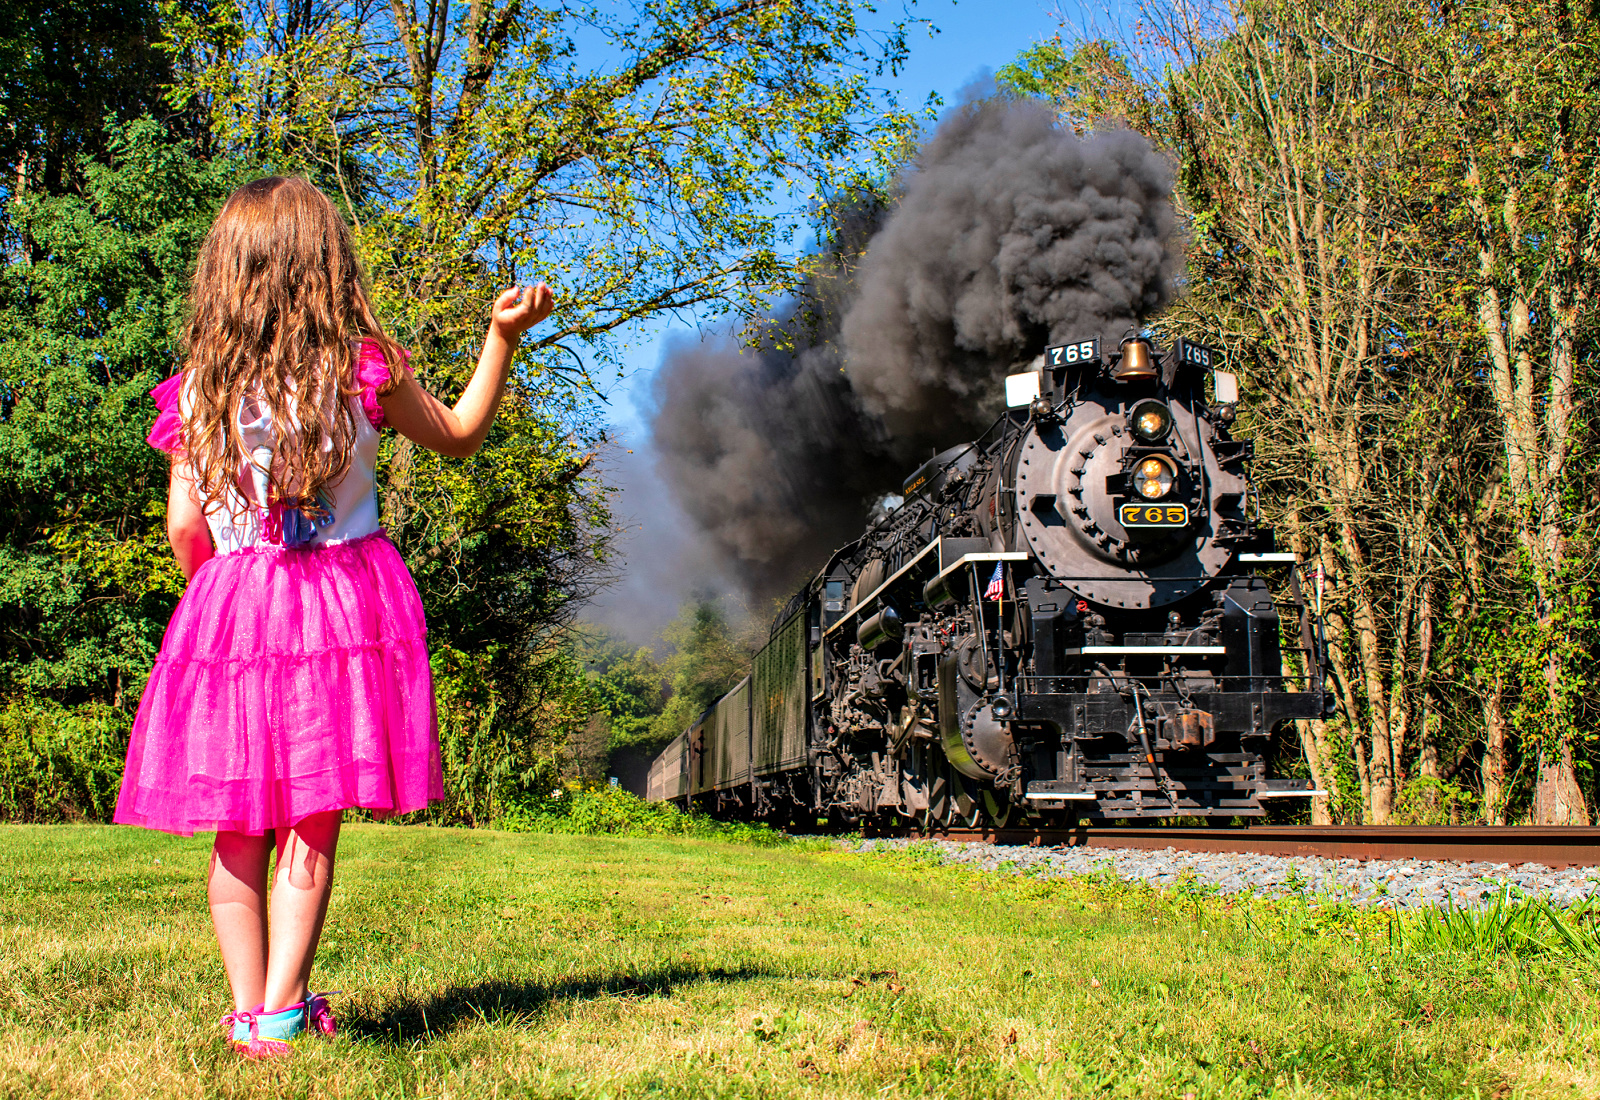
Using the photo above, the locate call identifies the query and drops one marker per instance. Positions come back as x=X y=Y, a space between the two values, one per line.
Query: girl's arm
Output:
x=186 y=523
x=459 y=432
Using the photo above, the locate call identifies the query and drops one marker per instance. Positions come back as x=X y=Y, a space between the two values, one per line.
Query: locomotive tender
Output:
x=1063 y=619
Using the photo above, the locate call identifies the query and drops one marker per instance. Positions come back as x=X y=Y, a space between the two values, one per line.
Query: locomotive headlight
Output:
x=1152 y=420
x=1154 y=477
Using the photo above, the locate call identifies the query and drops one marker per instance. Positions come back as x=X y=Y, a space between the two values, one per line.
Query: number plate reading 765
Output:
x=1073 y=354
x=1154 y=515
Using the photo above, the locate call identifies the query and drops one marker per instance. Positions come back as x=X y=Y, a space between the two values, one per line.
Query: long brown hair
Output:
x=276 y=305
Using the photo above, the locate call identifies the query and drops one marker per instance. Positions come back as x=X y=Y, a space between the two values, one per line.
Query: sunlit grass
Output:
x=484 y=964
x=1509 y=924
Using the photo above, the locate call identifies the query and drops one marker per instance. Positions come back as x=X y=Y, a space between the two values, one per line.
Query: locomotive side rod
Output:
x=1553 y=847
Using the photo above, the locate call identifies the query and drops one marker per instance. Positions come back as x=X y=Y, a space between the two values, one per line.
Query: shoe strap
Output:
x=280 y=1026
x=239 y=1016
x=318 y=1013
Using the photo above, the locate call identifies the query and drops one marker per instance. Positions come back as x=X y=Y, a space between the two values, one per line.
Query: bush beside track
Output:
x=611 y=811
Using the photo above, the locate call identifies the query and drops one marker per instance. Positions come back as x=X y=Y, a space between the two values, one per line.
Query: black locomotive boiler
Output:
x=1069 y=618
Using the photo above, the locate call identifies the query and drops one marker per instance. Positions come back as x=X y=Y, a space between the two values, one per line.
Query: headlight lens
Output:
x=1154 y=477
x=1152 y=420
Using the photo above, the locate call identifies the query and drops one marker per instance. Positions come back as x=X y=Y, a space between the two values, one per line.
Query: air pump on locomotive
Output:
x=1067 y=618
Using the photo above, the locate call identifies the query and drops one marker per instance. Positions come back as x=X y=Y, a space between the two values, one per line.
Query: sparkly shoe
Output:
x=236 y=1024
x=319 y=1017
x=259 y=1035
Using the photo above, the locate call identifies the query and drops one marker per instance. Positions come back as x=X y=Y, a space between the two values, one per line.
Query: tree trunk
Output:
x=1536 y=462
x=1557 y=798
x=1364 y=774
x=1314 y=740
x=1380 y=783
x=1428 y=750
x=1314 y=732
x=1494 y=756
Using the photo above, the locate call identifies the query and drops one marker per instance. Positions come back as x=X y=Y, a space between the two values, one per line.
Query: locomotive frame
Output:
x=1065 y=619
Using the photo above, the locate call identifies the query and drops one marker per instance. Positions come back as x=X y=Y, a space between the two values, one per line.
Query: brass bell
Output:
x=1137 y=363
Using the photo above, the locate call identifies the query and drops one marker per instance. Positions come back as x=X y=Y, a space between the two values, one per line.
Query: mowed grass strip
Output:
x=488 y=964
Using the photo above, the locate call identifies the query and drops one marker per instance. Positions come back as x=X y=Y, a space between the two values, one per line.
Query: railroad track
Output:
x=1516 y=844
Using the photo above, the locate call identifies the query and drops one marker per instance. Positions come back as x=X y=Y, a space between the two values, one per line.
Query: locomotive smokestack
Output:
x=1009 y=234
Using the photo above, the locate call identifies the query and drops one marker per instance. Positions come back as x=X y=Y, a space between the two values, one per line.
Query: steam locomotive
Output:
x=1068 y=618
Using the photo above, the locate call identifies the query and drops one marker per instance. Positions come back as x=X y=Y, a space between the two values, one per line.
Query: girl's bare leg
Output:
x=300 y=889
x=236 y=886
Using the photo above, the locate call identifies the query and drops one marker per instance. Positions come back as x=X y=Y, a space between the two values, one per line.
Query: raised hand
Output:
x=520 y=308
x=459 y=431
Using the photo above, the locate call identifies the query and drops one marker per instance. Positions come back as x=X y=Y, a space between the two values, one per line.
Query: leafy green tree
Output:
x=88 y=313
x=710 y=654
x=501 y=753
x=86 y=329
x=478 y=146
x=1518 y=131
x=630 y=687
x=67 y=66
x=642 y=703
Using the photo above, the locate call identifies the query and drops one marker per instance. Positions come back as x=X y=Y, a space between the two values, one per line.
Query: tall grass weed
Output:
x=1511 y=924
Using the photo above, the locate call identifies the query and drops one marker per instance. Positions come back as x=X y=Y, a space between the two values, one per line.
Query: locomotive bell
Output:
x=1137 y=363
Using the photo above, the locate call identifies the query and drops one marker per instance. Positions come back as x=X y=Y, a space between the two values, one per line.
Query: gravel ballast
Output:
x=1394 y=884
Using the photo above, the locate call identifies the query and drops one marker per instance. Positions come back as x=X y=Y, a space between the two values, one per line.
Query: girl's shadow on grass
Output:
x=405 y=1021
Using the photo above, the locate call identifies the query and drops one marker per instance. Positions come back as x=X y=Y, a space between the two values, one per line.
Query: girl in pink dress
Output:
x=293 y=680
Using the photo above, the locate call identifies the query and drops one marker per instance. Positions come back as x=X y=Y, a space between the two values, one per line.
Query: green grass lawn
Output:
x=481 y=964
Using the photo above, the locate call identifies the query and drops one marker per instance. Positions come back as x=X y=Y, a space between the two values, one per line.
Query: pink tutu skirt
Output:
x=290 y=682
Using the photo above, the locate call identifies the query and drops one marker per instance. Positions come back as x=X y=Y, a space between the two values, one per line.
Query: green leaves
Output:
x=60 y=763
x=88 y=312
x=647 y=703
x=648 y=172
x=484 y=149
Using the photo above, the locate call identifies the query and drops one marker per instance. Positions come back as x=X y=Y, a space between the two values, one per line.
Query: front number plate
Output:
x=1154 y=515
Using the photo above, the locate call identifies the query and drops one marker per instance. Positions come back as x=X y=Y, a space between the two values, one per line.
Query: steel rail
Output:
x=1553 y=847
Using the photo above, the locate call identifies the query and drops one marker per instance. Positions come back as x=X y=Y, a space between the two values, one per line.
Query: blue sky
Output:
x=965 y=39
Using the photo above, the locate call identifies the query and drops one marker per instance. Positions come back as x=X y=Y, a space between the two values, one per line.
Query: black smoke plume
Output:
x=765 y=446
x=1008 y=234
